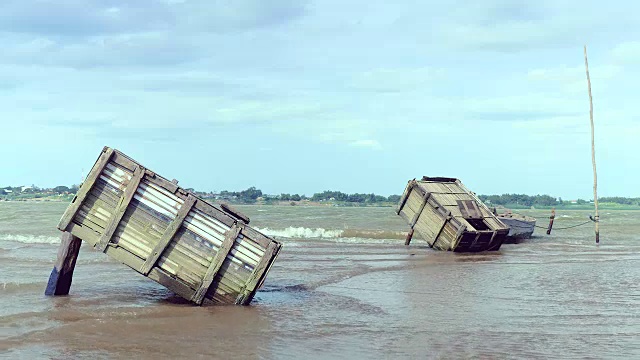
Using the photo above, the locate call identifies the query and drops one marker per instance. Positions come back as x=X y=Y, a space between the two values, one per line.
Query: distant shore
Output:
x=308 y=203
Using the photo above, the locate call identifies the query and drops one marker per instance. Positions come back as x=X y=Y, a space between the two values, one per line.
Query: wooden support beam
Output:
x=425 y=199
x=405 y=195
x=128 y=194
x=493 y=236
x=62 y=273
x=407 y=240
x=216 y=263
x=461 y=229
x=77 y=201
x=435 y=240
x=169 y=233
x=249 y=289
x=235 y=213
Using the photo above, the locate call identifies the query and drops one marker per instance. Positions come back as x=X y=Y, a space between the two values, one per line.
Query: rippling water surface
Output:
x=344 y=286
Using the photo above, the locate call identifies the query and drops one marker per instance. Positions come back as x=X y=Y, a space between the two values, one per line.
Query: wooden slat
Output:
x=425 y=199
x=83 y=232
x=85 y=188
x=156 y=274
x=223 y=251
x=130 y=191
x=169 y=233
x=469 y=209
x=249 y=289
x=461 y=229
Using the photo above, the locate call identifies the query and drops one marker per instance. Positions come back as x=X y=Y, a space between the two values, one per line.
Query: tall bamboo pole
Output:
x=593 y=151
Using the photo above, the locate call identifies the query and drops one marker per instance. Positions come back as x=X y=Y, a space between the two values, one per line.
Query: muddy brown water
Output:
x=344 y=286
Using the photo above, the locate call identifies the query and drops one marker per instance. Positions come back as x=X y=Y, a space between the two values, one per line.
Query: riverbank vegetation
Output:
x=254 y=195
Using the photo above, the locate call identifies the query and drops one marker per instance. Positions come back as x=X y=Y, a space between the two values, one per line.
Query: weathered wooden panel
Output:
x=202 y=252
x=452 y=217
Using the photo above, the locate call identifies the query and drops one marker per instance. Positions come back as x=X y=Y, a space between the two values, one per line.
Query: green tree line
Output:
x=252 y=194
x=519 y=199
x=546 y=200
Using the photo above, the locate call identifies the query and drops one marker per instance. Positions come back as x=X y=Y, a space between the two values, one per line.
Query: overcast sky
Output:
x=306 y=96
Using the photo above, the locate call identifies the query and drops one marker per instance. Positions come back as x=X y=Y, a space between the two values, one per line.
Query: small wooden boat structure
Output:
x=449 y=216
x=521 y=227
x=202 y=252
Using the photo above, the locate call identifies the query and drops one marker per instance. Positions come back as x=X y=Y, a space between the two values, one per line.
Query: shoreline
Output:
x=601 y=206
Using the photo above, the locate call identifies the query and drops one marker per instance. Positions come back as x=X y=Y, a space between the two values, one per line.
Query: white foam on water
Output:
x=30 y=239
x=302 y=232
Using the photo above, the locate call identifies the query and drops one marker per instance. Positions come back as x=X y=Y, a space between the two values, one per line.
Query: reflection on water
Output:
x=553 y=296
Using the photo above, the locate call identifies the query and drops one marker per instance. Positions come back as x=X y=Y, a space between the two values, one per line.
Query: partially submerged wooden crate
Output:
x=449 y=216
x=197 y=250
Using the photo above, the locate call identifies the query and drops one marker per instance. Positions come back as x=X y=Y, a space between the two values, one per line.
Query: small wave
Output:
x=340 y=234
x=31 y=239
x=301 y=232
x=16 y=287
x=374 y=234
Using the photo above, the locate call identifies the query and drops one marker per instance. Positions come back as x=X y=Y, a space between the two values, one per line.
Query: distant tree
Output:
x=619 y=200
x=250 y=195
x=296 y=197
x=393 y=198
x=357 y=198
x=328 y=195
x=61 y=189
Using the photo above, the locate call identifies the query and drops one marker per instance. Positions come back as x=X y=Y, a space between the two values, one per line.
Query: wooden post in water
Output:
x=593 y=150
x=62 y=273
x=407 y=241
x=553 y=216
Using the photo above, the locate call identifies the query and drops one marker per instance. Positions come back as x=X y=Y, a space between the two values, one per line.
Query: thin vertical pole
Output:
x=593 y=151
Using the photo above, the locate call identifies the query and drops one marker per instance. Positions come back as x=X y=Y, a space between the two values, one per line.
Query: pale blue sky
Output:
x=306 y=96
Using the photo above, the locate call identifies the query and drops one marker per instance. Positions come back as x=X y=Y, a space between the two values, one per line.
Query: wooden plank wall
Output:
x=440 y=221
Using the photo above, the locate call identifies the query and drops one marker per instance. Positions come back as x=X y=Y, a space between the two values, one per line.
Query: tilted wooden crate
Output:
x=449 y=216
x=197 y=250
